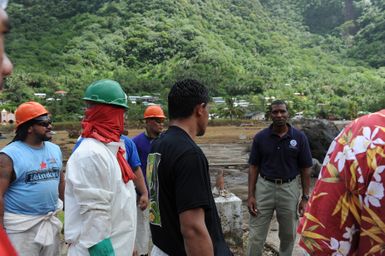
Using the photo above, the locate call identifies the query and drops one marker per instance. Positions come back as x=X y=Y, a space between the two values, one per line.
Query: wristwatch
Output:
x=305 y=197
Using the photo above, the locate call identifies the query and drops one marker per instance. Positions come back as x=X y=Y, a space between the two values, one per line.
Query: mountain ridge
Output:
x=250 y=48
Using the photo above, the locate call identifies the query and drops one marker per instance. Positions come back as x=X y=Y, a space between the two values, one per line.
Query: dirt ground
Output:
x=221 y=134
x=215 y=134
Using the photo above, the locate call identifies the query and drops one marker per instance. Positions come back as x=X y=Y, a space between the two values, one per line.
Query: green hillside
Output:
x=302 y=51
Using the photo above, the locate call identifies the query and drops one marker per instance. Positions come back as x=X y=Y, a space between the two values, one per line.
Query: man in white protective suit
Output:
x=100 y=213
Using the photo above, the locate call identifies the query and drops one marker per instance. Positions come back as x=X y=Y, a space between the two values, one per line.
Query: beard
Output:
x=201 y=132
x=279 y=123
x=44 y=137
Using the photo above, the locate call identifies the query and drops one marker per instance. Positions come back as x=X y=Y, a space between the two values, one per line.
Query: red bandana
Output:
x=105 y=123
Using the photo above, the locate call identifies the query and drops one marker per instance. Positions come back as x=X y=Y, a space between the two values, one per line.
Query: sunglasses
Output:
x=45 y=123
x=157 y=120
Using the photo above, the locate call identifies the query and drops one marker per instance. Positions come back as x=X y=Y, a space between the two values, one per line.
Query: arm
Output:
x=134 y=161
x=252 y=181
x=6 y=176
x=141 y=186
x=61 y=186
x=306 y=163
x=305 y=182
x=197 y=240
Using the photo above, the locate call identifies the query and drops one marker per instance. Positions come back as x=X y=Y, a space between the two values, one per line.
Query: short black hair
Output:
x=278 y=102
x=184 y=96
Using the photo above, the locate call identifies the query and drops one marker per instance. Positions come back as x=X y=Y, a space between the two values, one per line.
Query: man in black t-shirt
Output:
x=183 y=215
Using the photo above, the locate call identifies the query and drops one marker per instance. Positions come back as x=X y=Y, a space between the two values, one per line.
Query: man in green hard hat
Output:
x=100 y=213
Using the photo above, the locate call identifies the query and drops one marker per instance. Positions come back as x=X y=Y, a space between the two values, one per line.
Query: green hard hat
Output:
x=107 y=92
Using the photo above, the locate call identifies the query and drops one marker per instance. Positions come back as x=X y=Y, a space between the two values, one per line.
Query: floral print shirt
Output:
x=346 y=212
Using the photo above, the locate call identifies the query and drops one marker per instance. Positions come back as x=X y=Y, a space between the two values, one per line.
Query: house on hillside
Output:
x=241 y=103
x=7 y=117
x=218 y=100
x=40 y=95
x=255 y=115
x=61 y=93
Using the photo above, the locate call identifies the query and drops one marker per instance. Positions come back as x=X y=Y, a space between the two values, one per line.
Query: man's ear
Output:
x=30 y=129
x=199 y=109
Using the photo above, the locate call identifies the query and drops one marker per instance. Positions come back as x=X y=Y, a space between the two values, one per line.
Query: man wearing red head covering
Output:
x=100 y=214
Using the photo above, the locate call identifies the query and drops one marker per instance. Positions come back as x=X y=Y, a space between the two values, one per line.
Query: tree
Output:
x=229 y=110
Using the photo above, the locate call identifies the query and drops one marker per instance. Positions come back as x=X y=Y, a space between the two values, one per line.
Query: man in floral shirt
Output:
x=346 y=213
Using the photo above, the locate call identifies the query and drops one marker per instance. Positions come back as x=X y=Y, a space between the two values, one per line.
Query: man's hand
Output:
x=252 y=206
x=302 y=206
x=252 y=181
x=143 y=201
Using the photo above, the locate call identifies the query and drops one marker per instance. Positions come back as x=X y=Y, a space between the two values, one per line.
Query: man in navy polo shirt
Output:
x=279 y=154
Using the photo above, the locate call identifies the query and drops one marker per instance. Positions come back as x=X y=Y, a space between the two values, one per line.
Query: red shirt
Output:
x=6 y=247
x=346 y=213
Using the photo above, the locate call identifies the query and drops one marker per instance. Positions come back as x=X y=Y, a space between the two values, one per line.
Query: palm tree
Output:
x=230 y=110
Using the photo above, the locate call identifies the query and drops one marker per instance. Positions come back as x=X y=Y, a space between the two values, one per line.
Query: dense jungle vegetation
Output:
x=326 y=57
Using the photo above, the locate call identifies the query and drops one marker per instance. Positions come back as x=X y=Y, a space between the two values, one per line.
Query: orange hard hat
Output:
x=154 y=111
x=28 y=111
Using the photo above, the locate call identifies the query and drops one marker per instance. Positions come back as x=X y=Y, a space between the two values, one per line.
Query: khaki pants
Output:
x=284 y=200
x=25 y=245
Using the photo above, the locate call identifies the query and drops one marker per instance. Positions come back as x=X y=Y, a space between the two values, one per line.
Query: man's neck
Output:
x=33 y=143
x=280 y=130
x=150 y=134
x=185 y=124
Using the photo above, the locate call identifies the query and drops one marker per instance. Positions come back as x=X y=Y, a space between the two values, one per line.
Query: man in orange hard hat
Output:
x=154 y=118
x=31 y=183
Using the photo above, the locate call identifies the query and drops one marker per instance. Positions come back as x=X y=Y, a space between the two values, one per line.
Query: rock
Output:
x=73 y=134
x=320 y=133
x=230 y=212
x=316 y=168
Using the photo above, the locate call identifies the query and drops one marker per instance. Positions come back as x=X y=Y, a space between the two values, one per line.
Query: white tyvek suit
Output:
x=98 y=204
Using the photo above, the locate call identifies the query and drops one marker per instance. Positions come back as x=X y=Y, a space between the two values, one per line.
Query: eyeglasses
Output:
x=45 y=123
x=157 y=120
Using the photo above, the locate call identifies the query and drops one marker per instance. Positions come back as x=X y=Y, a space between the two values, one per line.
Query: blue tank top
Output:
x=35 y=189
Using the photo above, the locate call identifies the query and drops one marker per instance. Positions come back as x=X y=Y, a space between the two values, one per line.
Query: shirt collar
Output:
x=289 y=133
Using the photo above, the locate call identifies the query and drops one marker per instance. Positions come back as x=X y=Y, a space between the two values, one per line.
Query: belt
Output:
x=277 y=181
